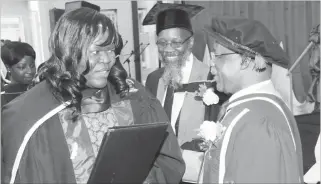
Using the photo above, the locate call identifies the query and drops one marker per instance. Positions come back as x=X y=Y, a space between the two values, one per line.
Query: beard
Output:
x=173 y=67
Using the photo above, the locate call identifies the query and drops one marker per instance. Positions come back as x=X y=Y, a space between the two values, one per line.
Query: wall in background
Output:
x=18 y=9
x=29 y=30
x=149 y=59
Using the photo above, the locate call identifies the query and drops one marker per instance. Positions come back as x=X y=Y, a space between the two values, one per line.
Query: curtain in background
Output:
x=288 y=21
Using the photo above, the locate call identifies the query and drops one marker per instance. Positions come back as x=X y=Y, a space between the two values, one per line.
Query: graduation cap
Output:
x=167 y=15
x=246 y=36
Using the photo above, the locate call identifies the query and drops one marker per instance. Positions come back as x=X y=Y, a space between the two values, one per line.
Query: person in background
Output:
x=19 y=58
x=310 y=133
x=314 y=65
x=176 y=83
x=85 y=90
x=258 y=140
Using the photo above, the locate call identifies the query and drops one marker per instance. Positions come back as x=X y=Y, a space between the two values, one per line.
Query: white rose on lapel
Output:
x=207 y=94
x=210 y=131
x=207 y=131
x=209 y=97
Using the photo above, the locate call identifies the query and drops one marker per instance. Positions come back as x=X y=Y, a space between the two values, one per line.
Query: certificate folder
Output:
x=127 y=153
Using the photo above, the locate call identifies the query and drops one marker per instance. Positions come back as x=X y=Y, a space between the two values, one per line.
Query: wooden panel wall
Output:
x=289 y=22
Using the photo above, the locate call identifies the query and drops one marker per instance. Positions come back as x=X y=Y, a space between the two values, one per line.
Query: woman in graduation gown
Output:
x=78 y=103
x=19 y=58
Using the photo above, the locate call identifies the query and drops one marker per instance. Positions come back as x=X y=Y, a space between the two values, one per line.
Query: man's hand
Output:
x=194 y=145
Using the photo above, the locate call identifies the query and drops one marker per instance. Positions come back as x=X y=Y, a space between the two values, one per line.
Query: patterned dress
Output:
x=84 y=136
x=84 y=152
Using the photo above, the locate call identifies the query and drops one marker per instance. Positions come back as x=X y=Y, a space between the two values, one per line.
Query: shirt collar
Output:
x=262 y=87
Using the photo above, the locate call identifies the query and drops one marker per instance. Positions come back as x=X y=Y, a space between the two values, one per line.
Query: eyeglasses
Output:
x=221 y=55
x=175 y=45
x=218 y=56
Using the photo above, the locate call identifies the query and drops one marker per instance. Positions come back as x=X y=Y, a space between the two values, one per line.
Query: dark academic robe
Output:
x=309 y=127
x=261 y=144
x=11 y=91
x=46 y=158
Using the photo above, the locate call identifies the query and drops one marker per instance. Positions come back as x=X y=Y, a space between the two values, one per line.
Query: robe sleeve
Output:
x=263 y=152
x=148 y=84
x=169 y=166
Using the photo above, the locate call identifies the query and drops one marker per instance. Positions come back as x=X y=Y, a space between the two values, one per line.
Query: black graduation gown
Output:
x=46 y=158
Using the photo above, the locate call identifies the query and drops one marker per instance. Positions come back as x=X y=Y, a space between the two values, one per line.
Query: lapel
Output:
x=195 y=75
x=192 y=110
x=198 y=69
x=161 y=88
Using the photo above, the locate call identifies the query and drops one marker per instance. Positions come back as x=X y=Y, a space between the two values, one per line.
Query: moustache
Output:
x=170 y=54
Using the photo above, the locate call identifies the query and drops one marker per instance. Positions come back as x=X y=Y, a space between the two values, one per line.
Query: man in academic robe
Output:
x=182 y=73
x=258 y=140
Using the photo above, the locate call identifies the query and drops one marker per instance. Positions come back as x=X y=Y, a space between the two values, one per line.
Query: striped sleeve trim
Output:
x=272 y=102
x=28 y=136
x=225 y=142
x=226 y=139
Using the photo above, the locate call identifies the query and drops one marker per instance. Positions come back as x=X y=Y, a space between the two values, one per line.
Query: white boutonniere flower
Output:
x=207 y=94
x=210 y=132
x=207 y=131
x=210 y=98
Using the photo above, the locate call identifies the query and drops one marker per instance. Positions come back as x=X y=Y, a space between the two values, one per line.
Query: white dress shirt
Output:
x=179 y=97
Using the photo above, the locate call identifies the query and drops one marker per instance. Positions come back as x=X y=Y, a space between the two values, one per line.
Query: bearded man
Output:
x=180 y=77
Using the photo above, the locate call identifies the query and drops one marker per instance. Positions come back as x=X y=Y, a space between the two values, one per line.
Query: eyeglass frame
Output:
x=220 y=55
x=225 y=54
x=171 y=43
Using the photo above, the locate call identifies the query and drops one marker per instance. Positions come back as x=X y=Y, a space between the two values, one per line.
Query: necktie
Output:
x=169 y=101
x=222 y=111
